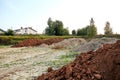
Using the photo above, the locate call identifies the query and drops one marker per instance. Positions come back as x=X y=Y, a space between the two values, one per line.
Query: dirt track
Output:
x=26 y=63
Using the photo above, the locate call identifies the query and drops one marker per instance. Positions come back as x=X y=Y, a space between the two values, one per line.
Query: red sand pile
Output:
x=36 y=42
x=103 y=64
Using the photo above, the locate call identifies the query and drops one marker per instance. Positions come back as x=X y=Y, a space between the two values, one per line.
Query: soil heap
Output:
x=36 y=42
x=102 y=64
x=69 y=43
x=94 y=44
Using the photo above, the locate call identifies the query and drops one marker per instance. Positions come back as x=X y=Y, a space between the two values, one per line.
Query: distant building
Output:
x=27 y=30
x=2 y=31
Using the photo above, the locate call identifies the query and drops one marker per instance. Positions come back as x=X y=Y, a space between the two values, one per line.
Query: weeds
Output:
x=61 y=60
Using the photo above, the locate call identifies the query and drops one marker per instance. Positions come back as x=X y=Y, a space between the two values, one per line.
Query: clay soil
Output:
x=36 y=42
x=102 y=64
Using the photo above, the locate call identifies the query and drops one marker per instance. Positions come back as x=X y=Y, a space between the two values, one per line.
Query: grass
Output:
x=60 y=61
x=64 y=59
x=72 y=54
x=4 y=46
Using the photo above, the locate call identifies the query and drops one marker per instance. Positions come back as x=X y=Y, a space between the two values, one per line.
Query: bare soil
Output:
x=27 y=62
x=102 y=64
x=36 y=42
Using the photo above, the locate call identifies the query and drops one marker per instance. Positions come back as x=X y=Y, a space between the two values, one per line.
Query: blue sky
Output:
x=73 y=13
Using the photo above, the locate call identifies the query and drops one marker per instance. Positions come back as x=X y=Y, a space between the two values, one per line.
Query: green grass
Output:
x=59 y=61
x=72 y=54
x=4 y=46
x=64 y=59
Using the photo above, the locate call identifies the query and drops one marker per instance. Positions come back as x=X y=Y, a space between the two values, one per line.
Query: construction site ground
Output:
x=27 y=63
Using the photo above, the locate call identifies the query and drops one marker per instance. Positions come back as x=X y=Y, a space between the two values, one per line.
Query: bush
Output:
x=5 y=41
x=9 y=32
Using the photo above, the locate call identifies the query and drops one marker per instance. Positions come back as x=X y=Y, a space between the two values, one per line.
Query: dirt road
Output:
x=27 y=62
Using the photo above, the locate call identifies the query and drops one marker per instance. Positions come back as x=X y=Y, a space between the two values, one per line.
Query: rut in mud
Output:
x=102 y=64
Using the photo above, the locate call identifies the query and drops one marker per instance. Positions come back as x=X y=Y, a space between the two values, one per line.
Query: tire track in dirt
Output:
x=27 y=67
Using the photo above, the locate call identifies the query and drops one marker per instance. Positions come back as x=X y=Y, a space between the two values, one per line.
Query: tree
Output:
x=65 y=31
x=47 y=31
x=89 y=30
x=55 y=28
x=73 y=32
x=82 y=32
x=108 y=29
x=50 y=29
x=58 y=28
x=92 y=30
x=79 y=32
x=9 y=32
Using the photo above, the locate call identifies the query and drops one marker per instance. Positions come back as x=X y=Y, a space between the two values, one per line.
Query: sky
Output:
x=74 y=14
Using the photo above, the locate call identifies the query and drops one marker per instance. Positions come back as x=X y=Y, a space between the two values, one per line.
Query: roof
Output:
x=32 y=29
x=17 y=30
x=26 y=28
x=2 y=30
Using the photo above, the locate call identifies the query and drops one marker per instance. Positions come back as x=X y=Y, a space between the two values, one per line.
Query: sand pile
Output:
x=102 y=64
x=94 y=44
x=69 y=43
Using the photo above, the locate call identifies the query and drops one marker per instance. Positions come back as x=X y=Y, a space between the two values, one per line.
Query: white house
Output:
x=27 y=30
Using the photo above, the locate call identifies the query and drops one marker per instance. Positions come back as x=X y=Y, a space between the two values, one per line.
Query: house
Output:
x=27 y=30
x=2 y=31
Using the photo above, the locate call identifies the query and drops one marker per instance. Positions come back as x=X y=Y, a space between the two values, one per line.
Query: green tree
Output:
x=55 y=28
x=58 y=28
x=9 y=32
x=50 y=29
x=65 y=31
x=47 y=31
x=108 y=29
x=92 y=30
x=73 y=32
x=82 y=32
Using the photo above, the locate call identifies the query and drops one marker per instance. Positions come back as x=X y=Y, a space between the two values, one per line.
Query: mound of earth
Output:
x=68 y=43
x=94 y=44
x=102 y=64
x=36 y=42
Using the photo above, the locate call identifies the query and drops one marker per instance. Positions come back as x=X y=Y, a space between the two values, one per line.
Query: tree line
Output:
x=57 y=28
